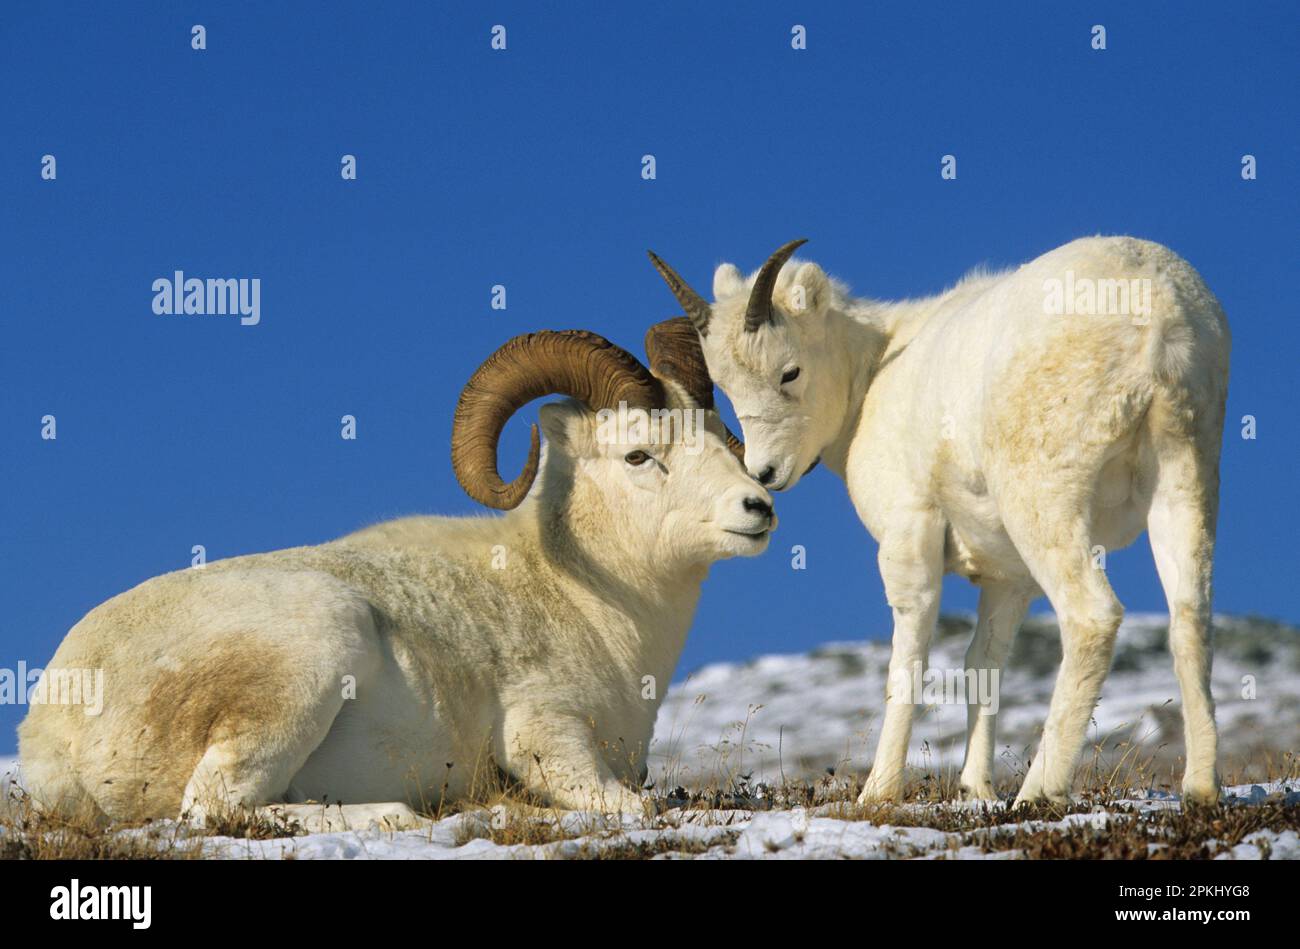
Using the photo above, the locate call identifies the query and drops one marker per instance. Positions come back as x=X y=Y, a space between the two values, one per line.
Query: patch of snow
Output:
x=794 y=716
x=1278 y=846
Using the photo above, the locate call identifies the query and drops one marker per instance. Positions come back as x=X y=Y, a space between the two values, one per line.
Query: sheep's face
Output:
x=662 y=486
x=781 y=378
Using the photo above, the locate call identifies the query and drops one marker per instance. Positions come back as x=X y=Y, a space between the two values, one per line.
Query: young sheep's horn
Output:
x=696 y=307
x=575 y=363
x=674 y=351
x=759 y=310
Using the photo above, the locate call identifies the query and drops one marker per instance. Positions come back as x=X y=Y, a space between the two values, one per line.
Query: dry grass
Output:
x=1111 y=773
x=1128 y=831
x=514 y=823
x=251 y=824
x=28 y=834
x=1163 y=834
x=645 y=850
x=596 y=837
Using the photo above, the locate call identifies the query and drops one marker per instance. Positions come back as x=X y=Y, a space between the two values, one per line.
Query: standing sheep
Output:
x=400 y=663
x=1012 y=430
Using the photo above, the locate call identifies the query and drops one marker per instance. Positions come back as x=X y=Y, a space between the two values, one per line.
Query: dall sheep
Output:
x=396 y=664
x=1012 y=430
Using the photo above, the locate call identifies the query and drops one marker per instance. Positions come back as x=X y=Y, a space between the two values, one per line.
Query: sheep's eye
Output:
x=790 y=375
x=636 y=458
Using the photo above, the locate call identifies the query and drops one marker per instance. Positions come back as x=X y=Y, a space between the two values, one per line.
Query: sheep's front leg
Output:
x=911 y=566
x=559 y=760
x=324 y=818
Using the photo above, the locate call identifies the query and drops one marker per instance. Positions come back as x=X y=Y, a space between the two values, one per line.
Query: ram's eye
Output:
x=790 y=375
x=636 y=458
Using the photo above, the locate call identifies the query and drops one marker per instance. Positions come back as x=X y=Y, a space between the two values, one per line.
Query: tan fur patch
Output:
x=238 y=689
x=227 y=693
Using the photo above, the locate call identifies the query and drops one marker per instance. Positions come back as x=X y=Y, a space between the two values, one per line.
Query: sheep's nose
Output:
x=758 y=506
x=766 y=475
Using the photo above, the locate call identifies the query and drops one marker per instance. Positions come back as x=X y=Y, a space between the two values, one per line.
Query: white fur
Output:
x=539 y=643
x=981 y=433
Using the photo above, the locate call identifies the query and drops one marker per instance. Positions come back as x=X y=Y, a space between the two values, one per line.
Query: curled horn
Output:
x=569 y=362
x=759 y=310
x=697 y=309
x=673 y=348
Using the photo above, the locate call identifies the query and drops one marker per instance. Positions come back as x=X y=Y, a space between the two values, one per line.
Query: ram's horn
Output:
x=570 y=362
x=759 y=309
x=697 y=309
x=673 y=348
x=674 y=352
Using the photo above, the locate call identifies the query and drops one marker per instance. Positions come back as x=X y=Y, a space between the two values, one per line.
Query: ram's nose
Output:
x=762 y=506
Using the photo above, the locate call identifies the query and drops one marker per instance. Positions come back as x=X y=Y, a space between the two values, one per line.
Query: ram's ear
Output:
x=807 y=292
x=568 y=427
x=727 y=280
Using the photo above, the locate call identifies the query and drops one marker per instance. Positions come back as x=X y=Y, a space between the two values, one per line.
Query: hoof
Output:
x=1040 y=800
x=977 y=792
x=1201 y=795
x=874 y=795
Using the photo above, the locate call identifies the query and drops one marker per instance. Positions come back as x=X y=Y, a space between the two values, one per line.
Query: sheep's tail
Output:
x=1188 y=340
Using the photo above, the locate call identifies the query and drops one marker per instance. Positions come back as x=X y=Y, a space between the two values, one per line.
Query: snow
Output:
x=1280 y=846
x=795 y=834
x=795 y=716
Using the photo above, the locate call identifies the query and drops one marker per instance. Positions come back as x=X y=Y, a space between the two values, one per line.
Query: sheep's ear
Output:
x=727 y=280
x=567 y=426
x=808 y=292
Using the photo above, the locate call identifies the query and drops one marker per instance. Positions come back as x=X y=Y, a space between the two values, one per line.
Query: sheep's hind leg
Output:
x=1002 y=608
x=1089 y=614
x=255 y=764
x=1181 y=527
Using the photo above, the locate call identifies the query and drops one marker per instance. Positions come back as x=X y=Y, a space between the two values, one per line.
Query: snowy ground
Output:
x=795 y=834
x=798 y=833
x=795 y=716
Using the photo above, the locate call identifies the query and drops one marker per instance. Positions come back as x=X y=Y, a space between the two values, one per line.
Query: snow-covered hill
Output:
x=798 y=715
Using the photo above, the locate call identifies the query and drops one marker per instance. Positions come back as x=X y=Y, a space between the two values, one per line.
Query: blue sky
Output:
x=523 y=168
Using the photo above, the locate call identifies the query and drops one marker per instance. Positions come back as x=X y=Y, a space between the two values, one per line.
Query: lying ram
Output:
x=402 y=662
x=1012 y=430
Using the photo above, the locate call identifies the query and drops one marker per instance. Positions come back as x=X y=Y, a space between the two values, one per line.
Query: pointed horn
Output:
x=673 y=348
x=571 y=362
x=759 y=310
x=697 y=309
